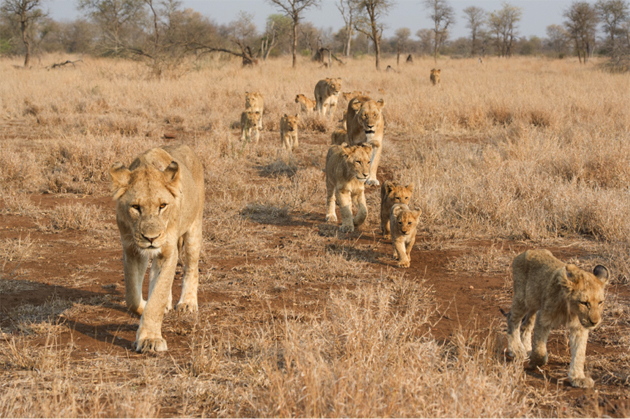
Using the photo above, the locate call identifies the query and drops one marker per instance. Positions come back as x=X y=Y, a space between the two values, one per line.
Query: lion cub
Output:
x=549 y=293
x=254 y=102
x=435 y=76
x=249 y=125
x=289 y=131
x=307 y=105
x=392 y=193
x=403 y=224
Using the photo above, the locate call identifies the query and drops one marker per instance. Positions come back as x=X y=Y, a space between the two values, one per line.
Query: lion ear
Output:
x=417 y=213
x=172 y=176
x=570 y=275
x=356 y=105
x=297 y=116
x=410 y=187
x=380 y=104
x=387 y=187
x=120 y=179
x=601 y=273
x=396 y=210
x=285 y=115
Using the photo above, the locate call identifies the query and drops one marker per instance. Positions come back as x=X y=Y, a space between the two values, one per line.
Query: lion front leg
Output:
x=401 y=252
x=578 y=337
x=514 y=317
x=330 y=203
x=347 y=221
x=256 y=134
x=295 y=141
x=374 y=161
x=361 y=209
x=542 y=327
x=190 y=283
x=135 y=265
x=149 y=335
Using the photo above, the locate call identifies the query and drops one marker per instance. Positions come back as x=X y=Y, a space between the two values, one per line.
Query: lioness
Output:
x=307 y=105
x=403 y=223
x=366 y=125
x=327 y=95
x=347 y=168
x=254 y=102
x=339 y=137
x=289 y=131
x=549 y=293
x=392 y=193
x=160 y=203
x=435 y=76
x=249 y=125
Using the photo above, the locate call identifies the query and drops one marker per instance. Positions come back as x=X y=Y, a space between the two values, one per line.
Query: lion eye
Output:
x=600 y=303
x=162 y=206
x=136 y=207
x=586 y=303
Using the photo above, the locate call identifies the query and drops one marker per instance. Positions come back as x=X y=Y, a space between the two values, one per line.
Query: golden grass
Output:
x=528 y=150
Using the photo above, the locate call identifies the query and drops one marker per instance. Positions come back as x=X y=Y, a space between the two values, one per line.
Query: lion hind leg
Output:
x=190 y=283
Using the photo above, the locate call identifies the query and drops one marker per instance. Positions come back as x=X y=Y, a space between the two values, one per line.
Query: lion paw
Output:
x=372 y=182
x=347 y=228
x=387 y=236
x=331 y=218
x=517 y=352
x=582 y=382
x=150 y=345
x=187 y=307
x=537 y=360
x=403 y=264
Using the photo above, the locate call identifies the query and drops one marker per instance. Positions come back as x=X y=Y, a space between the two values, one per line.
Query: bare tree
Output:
x=426 y=40
x=612 y=13
x=25 y=13
x=402 y=36
x=294 y=9
x=476 y=19
x=348 y=10
x=581 y=24
x=558 y=39
x=503 y=24
x=369 y=22
x=442 y=15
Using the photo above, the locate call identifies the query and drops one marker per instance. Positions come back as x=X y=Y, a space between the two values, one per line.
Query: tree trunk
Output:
x=27 y=44
x=295 y=23
x=377 y=48
x=349 y=33
x=472 y=49
x=398 y=55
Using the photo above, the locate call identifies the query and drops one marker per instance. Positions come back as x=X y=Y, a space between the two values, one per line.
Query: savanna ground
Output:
x=296 y=319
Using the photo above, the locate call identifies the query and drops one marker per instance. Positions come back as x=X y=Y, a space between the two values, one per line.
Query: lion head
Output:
x=252 y=118
x=585 y=293
x=290 y=122
x=253 y=100
x=406 y=219
x=334 y=85
x=396 y=193
x=368 y=113
x=357 y=161
x=147 y=196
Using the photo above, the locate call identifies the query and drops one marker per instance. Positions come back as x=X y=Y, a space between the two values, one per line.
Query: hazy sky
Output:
x=537 y=14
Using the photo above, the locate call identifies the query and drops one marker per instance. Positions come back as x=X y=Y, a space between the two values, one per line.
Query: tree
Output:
x=476 y=19
x=402 y=36
x=116 y=19
x=426 y=40
x=612 y=13
x=26 y=13
x=294 y=9
x=503 y=24
x=369 y=23
x=276 y=34
x=557 y=39
x=442 y=15
x=581 y=24
x=348 y=10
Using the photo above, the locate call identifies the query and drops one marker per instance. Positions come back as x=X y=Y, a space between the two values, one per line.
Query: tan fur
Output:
x=159 y=207
x=403 y=224
x=306 y=105
x=435 y=76
x=351 y=95
x=549 y=293
x=289 y=131
x=339 y=137
x=342 y=121
x=347 y=168
x=327 y=95
x=392 y=193
x=366 y=125
x=254 y=102
x=249 y=125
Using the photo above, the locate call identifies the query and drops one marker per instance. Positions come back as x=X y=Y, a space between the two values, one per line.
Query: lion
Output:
x=392 y=193
x=366 y=124
x=339 y=137
x=347 y=169
x=549 y=293
x=254 y=102
x=307 y=105
x=249 y=125
x=289 y=131
x=158 y=211
x=435 y=76
x=403 y=224
x=327 y=95
x=351 y=95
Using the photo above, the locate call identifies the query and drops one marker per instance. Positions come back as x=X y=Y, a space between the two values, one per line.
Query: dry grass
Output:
x=304 y=321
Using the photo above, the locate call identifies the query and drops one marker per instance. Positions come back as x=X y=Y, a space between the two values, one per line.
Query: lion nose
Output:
x=150 y=238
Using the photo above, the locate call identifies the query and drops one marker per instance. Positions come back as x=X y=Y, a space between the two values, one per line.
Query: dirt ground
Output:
x=85 y=268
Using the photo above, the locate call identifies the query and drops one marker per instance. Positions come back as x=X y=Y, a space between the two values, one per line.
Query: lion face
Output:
x=146 y=197
x=290 y=122
x=253 y=100
x=334 y=85
x=406 y=220
x=252 y=117
x=398 y=194
x=369 y=115
x=358 y=160
x=586 y=293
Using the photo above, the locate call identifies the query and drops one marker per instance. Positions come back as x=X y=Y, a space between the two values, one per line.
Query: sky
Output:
x=537 y=14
